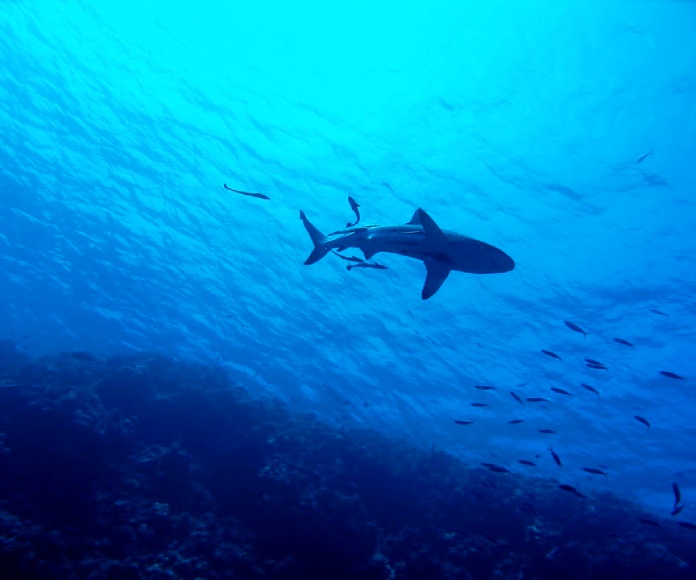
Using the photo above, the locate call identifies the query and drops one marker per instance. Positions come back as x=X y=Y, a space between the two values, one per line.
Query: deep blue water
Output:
x=563 y=133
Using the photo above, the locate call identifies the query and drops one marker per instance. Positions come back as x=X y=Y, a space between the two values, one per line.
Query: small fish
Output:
x=458 y=422
x=526 y=462
x=656 y=311
x=515 y=396
x=644 y=156
x=551 y=354
x=595 y=471
x=594 y=366
x=516 y=421
x=560 y=391
x=547 y=431
x=677 y=494
x=354 y=206
x=677 y=510
x=593 y=362
x=589 y=388
x=575 y=327
x=479 y=405
x=671 y=375
x=648 y=522
x=556 y=458
x=622 y=341
x=536 y=399
x=571 y=489
x=498 y=469
x=376 y=266
x=688 y=525
x=484 y=388
x=257 y=195
x=489 y=464
x=642 y=420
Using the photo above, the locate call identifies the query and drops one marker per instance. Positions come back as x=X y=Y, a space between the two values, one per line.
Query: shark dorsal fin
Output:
x=436 y=276
x=431 y=229
x=415 y=220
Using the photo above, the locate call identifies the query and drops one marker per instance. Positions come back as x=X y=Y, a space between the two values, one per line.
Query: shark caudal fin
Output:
x=318 y=239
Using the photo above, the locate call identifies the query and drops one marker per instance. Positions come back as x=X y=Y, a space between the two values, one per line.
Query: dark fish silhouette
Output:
x=458 y=422
x=536 y=399
x=575 y=327
x=642 y=420
x=593 y=362
x=560 y=391
x=644 y=156
x=484 y=388
x=594 y=366
x=479 y=405
x=648 y=522
x=595 y=471
x=526 y=462
x=677 y=494
x=257 y=195
x=622 y=341
x=551 y=354
x=589 y=388
x=571 y=489
x=498 y=469
x=376 y=266
x=354 y=206
x=516 y=397
x=688 y=525
x=556 y=458
x=671 y=375
x=656 y=311
x=677 y=510
x=547 y=431
x=489 y=464
x=516 y=421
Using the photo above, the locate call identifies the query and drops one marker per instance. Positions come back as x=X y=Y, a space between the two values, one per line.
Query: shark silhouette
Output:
x=421 y=238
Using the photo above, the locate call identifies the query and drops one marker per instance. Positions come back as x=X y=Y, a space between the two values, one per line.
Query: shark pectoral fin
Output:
x=436 y=276
x=432 y=231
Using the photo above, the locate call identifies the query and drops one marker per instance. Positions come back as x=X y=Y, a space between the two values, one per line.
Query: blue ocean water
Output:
x=563 y=133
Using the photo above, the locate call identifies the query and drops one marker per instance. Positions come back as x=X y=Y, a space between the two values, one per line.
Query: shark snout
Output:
x=506 y=263
x=501 y=262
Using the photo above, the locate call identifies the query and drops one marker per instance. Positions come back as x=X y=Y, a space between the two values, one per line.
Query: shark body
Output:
x=422 y=239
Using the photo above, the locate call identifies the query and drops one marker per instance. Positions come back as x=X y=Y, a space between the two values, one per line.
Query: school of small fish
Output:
x=678 y=506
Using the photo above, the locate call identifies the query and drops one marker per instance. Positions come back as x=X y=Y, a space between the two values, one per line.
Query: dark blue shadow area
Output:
x=145 y=467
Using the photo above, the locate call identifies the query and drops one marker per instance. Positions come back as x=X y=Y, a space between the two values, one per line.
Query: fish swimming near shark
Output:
x=421 y=238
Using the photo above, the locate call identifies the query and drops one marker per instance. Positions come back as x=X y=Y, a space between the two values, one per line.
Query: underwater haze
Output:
x=561 y=133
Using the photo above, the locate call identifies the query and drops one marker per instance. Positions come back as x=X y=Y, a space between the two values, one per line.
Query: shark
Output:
x=441 y=251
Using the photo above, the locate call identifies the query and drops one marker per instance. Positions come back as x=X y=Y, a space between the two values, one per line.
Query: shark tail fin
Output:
x=318 y=239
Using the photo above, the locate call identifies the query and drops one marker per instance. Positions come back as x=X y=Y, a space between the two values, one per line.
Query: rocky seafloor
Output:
x=146 y=467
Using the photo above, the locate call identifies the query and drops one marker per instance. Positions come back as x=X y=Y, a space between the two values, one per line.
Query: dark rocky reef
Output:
x=146 y=467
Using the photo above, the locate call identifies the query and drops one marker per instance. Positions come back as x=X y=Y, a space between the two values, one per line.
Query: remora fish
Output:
x=354 y=205
x=349 y=267
x=248 y=193
x=422 y=239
